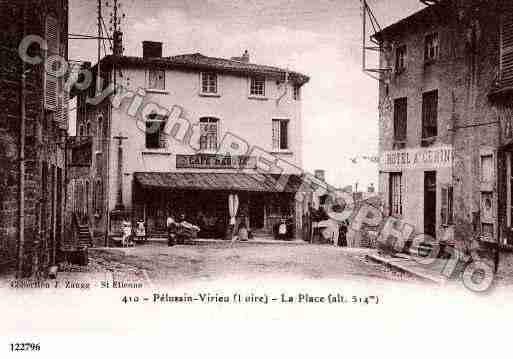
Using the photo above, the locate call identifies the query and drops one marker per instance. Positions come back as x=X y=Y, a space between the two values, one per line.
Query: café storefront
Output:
x=213 y=192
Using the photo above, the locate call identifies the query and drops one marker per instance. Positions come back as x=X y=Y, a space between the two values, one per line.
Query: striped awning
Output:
x=254 y=182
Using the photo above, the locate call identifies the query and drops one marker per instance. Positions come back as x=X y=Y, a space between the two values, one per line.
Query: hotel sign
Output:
x=424 y=158
x=213 y=161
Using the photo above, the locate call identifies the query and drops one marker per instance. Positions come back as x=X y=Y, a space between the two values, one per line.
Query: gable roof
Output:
x=423 y=17
x=200 y=62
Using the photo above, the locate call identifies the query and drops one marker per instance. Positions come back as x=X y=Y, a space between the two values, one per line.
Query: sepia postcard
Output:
x=278 y=178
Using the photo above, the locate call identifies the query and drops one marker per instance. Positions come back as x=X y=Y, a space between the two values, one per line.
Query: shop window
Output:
x=400 y=119
x=432 y=46
x=257 y=87
x=447 y=205
x=209 y=134
x=400 y=59
x=157 y=80
x=280 y=134
x=429 y=116
x=396 y=194
x=209 y=82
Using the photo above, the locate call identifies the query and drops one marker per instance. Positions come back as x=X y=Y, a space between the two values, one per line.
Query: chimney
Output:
x=243 y=58
x=320 y=175
x=152 y=49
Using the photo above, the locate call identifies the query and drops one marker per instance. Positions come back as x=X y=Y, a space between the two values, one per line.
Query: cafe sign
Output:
x=213 y=161
x=423 y=158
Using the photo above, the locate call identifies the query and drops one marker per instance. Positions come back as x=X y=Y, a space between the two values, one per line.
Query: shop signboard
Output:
x=213 y=161
x=421 y=158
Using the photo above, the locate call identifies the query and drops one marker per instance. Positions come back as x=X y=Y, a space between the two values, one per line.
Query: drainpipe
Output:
x=21 y=219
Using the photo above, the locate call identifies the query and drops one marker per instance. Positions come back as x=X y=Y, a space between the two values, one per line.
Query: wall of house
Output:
x=44 y=142
x=463 y=76
x=247 y=118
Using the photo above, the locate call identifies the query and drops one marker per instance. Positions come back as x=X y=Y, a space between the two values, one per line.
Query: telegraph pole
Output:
x=98 y=85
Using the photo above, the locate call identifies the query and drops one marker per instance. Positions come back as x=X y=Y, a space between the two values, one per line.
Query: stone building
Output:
x=188 y=134
x=33 y=128
x=445 y=115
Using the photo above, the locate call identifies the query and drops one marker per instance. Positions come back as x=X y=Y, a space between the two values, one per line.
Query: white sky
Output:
x=320 y=38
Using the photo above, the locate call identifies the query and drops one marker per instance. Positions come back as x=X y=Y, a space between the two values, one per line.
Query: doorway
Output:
x=430 y=203
x=257 y=212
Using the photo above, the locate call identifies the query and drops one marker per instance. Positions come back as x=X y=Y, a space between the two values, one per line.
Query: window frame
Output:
x=209 y=120
x=278 y=135
x=426 y=112
x=392 y=196
x=252 y=86
x=162 y=144
x=435 y=37
x=397 y=106
x=202 y=83
x=296 y=92
x=149 y=73
x=400 y=58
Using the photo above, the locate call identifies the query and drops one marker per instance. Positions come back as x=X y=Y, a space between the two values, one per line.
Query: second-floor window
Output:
x=431 y=48
x=257 y=87
x=297 y=92
x=208 y=133
x=400 y=119
x=280 y=134
x=157 y=79
x=400 y=59
x=155 y=137
x=209 y=82
x=430 y=114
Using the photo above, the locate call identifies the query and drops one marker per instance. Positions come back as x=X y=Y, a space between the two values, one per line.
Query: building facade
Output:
x=189 y=135
x=33 y=129
x=445 y=120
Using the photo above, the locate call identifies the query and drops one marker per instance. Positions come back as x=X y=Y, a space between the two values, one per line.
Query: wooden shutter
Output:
x=507 y=45
x=62 y=116
x=51 y=81
x=400 y=118
x=284 y=135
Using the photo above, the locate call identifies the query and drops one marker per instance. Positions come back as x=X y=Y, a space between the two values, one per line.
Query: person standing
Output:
x=171 y=230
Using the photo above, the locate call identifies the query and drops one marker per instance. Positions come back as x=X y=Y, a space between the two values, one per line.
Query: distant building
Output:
x=179 y=155
x=445 y=120
x=46 y=122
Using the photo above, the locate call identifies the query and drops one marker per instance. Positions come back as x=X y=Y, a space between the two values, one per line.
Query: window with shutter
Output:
x=430 y=114
x=400 y=119
x=280 y=135
x=51 y=81
x=447 y=205
x=506 y=64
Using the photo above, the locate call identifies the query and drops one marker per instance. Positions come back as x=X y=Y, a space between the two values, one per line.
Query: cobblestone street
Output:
x=238 y=261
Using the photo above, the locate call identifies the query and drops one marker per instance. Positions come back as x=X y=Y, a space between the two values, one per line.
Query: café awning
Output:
x=249 y=182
